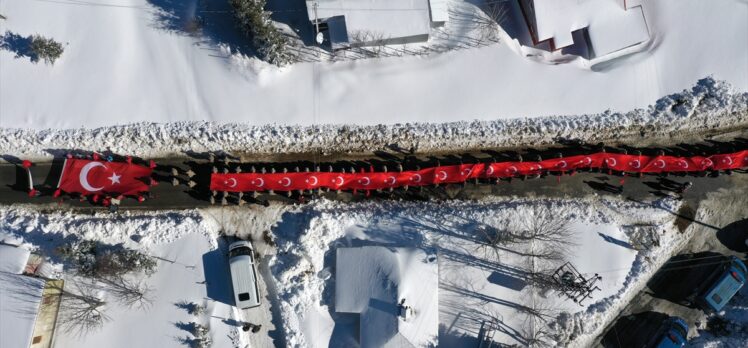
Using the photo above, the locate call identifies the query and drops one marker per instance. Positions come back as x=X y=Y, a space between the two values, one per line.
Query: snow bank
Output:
x=148 y=228
x=709 y=105
x=473 y=286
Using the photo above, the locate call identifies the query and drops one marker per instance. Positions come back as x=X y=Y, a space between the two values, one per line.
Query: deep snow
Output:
x=131 y=61
x=474 y=287
x=709 y=105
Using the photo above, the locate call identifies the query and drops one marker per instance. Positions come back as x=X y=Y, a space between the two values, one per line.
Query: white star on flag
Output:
x=114 y=178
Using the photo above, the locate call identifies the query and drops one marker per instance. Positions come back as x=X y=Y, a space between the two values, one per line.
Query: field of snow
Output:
x=708 y=106
x=476 y=284
x=131 y=61
x=189 y=271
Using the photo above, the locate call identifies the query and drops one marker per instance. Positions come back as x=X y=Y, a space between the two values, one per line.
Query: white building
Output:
x=374 y=281
x=348 y=23
x=607 y=25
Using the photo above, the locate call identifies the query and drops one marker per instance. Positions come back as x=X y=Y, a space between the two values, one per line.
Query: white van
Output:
x=243 y=274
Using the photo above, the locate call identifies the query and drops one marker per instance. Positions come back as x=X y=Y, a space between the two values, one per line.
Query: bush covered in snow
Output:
x=45 y=48
x=255 y=22
x=202 y=336
x=92 y=259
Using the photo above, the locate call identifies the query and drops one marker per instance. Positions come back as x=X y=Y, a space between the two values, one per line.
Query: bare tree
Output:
x=551 y=236
x=81 y=310
x=536 y=330
x=491 y=239
x=129 y=292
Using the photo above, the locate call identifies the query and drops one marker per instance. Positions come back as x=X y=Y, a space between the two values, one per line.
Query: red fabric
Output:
x=96 y=177
x=243 y=182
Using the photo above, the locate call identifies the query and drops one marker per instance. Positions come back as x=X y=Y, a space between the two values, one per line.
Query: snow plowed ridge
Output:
x=709 y=105
x=153 y=228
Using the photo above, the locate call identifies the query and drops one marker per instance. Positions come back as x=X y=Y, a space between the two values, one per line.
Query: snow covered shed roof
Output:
x=610 y=24
x=385 y=19
x=13 y=259
x=20 y=297
x=372 y=281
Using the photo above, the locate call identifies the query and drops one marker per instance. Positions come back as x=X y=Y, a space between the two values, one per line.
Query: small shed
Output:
x=374 y=22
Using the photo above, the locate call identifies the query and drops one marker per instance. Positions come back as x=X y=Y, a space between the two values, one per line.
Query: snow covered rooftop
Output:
x=13 y=259
x=611 y=26
x=372 y=281
x=19 y=302
x=383 y=19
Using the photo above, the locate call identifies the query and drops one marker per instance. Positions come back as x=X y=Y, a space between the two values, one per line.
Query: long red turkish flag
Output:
x=245 y=182
x=92 y=177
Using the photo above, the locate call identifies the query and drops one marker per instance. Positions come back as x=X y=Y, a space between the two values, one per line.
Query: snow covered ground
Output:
x=476 y=284
x=708 y=106
x=130 y=61
x=191 y=270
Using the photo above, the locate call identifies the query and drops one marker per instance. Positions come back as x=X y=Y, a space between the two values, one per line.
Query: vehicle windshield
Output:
x=240 y=251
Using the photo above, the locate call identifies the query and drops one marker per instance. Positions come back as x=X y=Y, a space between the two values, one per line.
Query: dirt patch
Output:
x=686 y=215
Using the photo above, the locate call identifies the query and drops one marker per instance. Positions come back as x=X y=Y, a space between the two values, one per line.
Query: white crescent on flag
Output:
x=285 y=182
x=232 y=181
x=314 y=182
x=83 y=177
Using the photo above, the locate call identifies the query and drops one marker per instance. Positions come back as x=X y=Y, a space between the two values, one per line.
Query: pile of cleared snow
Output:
x=709 y=105
x=132 y=228
x=308 y=237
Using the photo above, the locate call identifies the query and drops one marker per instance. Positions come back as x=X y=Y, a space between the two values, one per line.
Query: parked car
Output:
x=673 y=335
x=646 y=330
x=244 y=274
x=725 y=282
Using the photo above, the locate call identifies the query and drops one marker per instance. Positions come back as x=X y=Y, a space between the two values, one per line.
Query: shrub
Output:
x=44 y=48
x=255 y=22
x=95 y=260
